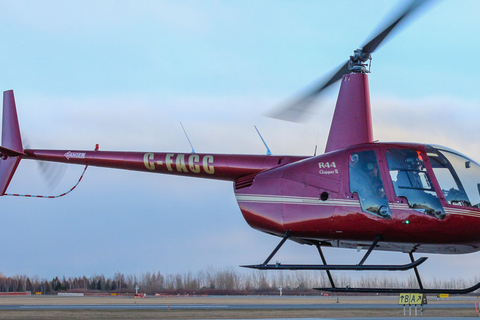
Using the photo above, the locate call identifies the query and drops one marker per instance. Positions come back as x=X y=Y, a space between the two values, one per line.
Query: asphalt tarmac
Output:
x=199 y=307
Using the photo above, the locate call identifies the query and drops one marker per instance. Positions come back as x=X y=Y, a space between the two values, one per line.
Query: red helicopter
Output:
x=360 y=194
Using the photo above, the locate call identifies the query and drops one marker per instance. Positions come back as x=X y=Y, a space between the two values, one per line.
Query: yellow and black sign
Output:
x=412 y=299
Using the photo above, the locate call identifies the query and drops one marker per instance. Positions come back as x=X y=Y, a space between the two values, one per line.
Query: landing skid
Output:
x=347 y=267
x=358 y=267
x=355 y=267
x=421 y=289
x=398 y=290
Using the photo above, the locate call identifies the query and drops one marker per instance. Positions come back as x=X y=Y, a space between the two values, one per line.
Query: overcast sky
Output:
x=123 y=74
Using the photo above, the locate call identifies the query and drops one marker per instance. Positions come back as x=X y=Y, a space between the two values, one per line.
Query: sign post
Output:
x=410 y=299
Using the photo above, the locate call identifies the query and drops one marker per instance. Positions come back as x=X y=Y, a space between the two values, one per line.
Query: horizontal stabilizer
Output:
x=10 y=153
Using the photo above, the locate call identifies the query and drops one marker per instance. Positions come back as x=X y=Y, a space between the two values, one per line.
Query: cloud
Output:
x=448 y=121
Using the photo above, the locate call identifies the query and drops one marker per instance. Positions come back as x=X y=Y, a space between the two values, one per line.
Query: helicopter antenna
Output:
x=186 y=135
x=268 y=150
x=316 y=145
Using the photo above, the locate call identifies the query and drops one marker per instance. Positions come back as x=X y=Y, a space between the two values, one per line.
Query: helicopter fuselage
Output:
x=411 y=195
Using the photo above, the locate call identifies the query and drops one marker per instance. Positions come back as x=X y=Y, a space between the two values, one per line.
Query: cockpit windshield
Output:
x=457 y=175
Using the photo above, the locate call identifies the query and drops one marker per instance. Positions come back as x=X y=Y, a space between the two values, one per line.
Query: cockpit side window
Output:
x=458 y=177
x=411 y=181
x=366 y=182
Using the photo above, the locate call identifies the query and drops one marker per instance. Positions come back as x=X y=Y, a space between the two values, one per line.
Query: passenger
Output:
x=366 y=182
x=375 y=181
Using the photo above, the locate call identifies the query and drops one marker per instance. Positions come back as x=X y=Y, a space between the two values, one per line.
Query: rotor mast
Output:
x=352 y=121
x=357 y=64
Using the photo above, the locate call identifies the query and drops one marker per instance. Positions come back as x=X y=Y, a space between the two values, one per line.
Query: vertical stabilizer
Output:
x=11 y=138
x=352 y=121
x=11 y=150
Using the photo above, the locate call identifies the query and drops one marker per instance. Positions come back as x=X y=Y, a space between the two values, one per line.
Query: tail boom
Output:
x=209 y=166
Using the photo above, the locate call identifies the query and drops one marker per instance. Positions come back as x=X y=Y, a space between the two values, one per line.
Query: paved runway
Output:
x=229 y=303
x=222 y=306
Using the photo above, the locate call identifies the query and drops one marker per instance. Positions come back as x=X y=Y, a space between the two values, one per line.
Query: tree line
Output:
x=214 y=281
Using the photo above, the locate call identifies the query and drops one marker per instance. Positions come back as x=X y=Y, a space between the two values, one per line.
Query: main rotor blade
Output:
x=372 y=45
x=298 y=109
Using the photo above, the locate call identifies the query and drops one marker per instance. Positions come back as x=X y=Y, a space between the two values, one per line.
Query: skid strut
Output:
x=417 y=274
x=320 y=252
x=285 y=238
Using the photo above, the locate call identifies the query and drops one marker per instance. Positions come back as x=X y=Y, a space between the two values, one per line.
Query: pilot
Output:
x=410 y=178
